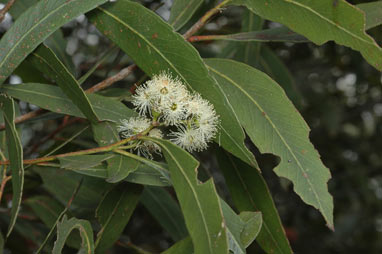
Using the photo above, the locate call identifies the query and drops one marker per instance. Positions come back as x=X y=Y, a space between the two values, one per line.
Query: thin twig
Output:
x=203 y=20
x=25 y=117
x=6 y=9
x=100 y=149
x=3 y=183
x=109 y=81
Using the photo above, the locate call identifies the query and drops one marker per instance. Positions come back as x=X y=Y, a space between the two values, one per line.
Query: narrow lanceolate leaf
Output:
x=321 y=21
x=15 y=153
x=235 y=228
x=250 y=193
x=114 y=212
x=48 y=63
x=165 y=210
x=34 y=26
x=182 y=11
x=52 y=98
x=275 y=126
x=199 y=202
x=119 y=167
x=155 y=47
x=279 y=34
x=65 y=227
x=372 y=12
x=83 y=161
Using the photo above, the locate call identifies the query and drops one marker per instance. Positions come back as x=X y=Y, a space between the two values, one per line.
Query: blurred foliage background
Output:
x=336 y=91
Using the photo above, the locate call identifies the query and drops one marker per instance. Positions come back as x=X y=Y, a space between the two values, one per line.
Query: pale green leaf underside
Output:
x=321 y=21
x=199 y=202
x=275 y=126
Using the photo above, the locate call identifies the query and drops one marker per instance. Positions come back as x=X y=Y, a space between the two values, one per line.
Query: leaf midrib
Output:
x=330 y=22
x=275 y=129
x=62 y=99
x=194 y=194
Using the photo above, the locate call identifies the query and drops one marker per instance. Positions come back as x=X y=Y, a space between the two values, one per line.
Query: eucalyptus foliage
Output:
x=139 y=122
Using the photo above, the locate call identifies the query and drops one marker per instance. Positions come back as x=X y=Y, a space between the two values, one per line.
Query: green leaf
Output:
x=105 y=133
x=200 y=203
x=65 y=227
x=275 y=68
x=147 y=175
x=61 y=183
x=184 y=246
x=250 y=193
x=83 y=161
x=165 y=210
x=52 y=98
x=46 y=208
x=240 y=233
x=321 y=21
x=182 y=11
x=119 y=167
x=47 y=62
x=153 y=174
x=34 y=26
x=155 y=47
x=57 y=43
x=15 y=153
x=275 y=126
x=279 y=34
x=252 y=226
x=114 y=212
x=372 y=12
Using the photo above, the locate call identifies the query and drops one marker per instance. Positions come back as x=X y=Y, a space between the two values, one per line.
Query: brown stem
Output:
x=204 y=38
x=6 y=9
x=109 y=81
x=3 y=183
x=203 y=20
x=26 y=116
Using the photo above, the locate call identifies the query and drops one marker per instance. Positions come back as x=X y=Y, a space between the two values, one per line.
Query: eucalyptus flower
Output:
x=192 y=120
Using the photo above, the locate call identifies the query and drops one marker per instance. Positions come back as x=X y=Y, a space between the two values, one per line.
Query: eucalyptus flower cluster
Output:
x=163 y=102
